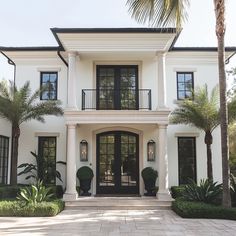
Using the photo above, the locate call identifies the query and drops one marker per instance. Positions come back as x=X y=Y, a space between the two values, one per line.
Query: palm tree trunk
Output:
x=208 y=142
x=220 y=33
x=14 y=153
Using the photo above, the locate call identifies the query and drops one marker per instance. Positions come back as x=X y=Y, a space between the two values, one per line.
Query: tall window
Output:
x=187 y=159
x=49 y=81
x=4 y=150
x=184 y=85
x=47 y=151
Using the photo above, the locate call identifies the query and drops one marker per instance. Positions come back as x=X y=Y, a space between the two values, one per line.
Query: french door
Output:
x=117 y=163
x=117 y=87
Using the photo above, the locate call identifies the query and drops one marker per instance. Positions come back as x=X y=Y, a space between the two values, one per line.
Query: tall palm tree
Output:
x=18 y=106
x=203 y=113
x=173 y=13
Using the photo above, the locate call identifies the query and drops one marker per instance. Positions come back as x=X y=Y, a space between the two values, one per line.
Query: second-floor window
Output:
x=48 y=80
x=184 y=85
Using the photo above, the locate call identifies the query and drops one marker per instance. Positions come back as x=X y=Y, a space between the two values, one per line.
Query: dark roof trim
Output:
x=12 y=49
x=114 y=30
x=201 y=49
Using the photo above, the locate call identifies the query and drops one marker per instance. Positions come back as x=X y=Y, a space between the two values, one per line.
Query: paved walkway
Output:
x=115 y=222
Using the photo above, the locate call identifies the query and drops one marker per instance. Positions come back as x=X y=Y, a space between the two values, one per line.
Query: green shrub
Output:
x=177 y=191
x=35 y=193
x=207 y=191
x=149 y=173
x=188 y=209
x=9 y=191
x=15 y=208
x=57 y=190
x=84 y=173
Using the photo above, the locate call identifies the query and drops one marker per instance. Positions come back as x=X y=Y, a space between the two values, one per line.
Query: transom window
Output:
x=4 y=151
x=47 y=151
x=184 y=85
x=187 y=159
x=49 y=80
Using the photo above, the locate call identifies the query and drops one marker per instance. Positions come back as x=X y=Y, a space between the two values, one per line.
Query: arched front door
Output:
x=117 y=163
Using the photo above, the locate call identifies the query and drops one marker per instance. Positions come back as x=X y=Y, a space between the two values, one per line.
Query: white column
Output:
x=161 y=80
x=71 y=91
x=71 y=193
x=163 y=192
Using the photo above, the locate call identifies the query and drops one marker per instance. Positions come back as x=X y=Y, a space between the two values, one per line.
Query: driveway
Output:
x=115 y=222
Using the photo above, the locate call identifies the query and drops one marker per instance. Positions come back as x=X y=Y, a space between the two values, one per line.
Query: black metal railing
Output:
x=112 y=99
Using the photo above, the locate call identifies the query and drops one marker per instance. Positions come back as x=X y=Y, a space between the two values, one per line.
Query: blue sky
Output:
x=28 y=22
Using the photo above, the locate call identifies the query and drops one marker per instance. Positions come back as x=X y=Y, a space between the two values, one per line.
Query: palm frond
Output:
x=159 y=13
x=201 y=112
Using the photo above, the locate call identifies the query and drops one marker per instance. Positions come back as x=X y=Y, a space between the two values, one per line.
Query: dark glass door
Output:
x=117 y=87
x=117 y=163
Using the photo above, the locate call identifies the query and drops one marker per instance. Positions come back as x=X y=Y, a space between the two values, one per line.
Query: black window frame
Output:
x=195 y=159
x=4 y=166
x=41 y=84
x=40 y=152
x=117 y=87
x=177 y=83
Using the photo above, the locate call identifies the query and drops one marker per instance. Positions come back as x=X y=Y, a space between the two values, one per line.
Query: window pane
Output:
x=180 y=77
x=47 y=151
x=187 y=159
x=49 y=81
x=184 y=85
x=4 y=150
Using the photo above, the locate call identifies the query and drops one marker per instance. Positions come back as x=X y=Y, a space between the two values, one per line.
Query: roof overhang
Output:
x=87 y=40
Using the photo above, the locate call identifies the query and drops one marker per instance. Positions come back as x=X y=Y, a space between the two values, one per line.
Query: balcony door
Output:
x=117 y=163
x=117 y=87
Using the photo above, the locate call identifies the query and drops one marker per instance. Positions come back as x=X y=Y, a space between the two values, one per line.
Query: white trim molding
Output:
x=184 y=69
x=49 y=69
x=187 y=134
x=46 y=134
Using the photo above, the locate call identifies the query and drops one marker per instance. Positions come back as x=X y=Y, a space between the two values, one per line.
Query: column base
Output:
x=70 y=196
x=164 y=196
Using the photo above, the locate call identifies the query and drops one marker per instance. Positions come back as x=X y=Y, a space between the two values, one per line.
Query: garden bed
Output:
x=188 y=209
x=15 y=208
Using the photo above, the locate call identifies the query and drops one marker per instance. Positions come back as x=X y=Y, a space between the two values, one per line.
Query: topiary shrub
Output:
x=84 y=173
x=149 y=177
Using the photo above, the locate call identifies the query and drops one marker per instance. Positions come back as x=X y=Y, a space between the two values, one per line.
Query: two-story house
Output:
x=118 y=87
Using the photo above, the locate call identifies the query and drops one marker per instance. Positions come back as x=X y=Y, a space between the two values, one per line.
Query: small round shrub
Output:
x=149 y=173
x=84 y=173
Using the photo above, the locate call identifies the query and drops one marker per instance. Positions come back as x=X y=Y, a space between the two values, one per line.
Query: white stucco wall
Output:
x=204 y=66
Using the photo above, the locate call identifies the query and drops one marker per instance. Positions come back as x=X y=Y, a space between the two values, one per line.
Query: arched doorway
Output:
x=117 y=163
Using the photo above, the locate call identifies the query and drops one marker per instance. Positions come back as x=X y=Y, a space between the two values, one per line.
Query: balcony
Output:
x=111 y=99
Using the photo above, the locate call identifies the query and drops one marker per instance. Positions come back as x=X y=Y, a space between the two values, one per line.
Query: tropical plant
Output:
x=18 y=106
x=207 y=191
x=164 y=13
x=38 y=171
x=232 y=148
x=203 y=113
x=35 y=193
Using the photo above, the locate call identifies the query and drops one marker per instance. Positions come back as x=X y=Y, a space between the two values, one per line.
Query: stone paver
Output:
x=115 y=223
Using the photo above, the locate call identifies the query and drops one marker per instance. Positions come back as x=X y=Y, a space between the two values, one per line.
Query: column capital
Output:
x=162 y=126
x=71 y=126
x=72 y=53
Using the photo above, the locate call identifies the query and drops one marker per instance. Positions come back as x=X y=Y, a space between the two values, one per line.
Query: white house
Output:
x=118 y=87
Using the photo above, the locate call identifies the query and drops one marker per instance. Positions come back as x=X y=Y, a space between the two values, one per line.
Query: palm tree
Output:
x=18 y=106
x=202 y=113
x=174 y=12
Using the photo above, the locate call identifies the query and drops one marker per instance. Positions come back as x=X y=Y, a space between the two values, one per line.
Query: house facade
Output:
x=118 y=88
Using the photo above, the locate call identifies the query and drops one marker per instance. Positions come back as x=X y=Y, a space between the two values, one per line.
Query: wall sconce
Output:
x=151 y=150
x=83 y=150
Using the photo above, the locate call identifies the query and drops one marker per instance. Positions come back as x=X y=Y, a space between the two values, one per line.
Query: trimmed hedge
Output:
x=177 y=191
x=15 y=208
x=187 y=209
x=11 y=191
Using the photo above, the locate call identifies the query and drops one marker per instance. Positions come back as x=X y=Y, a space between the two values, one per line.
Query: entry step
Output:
x=118 y=203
